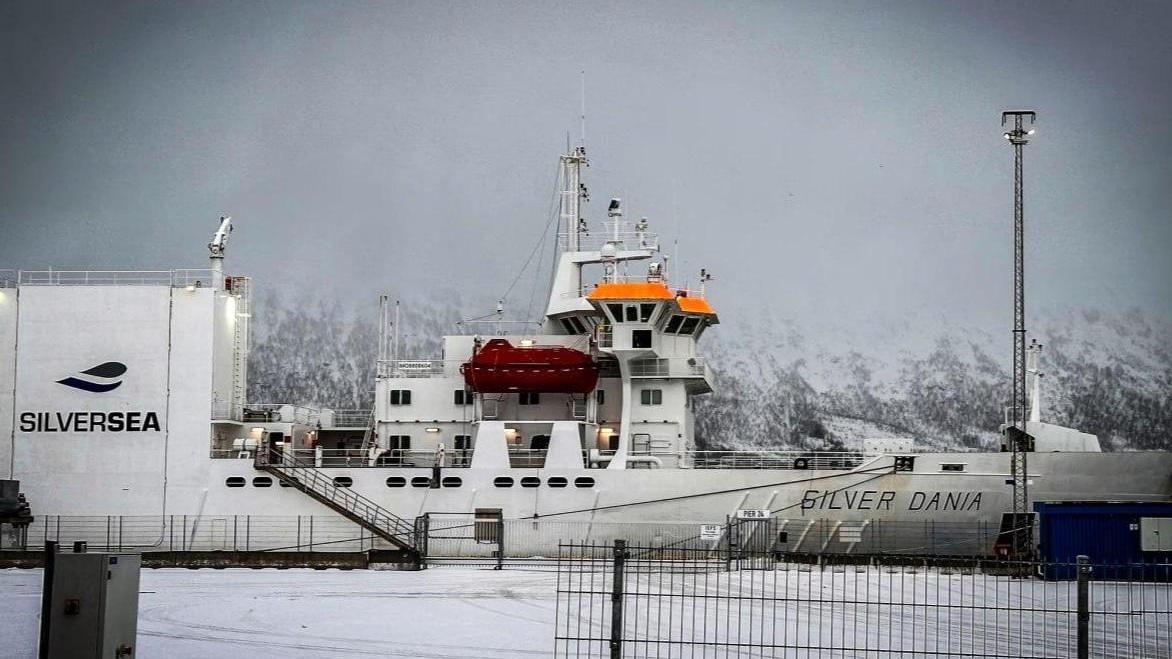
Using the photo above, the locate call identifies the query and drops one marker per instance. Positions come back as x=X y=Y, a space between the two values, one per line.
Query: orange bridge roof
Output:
x=631 y=291
x=695 y=305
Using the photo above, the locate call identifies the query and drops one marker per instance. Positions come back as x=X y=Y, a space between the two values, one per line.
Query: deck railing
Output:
x=198 y=278
x=521 y=458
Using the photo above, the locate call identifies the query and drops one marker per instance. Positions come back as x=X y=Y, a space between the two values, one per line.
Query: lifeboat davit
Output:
x=500 y=367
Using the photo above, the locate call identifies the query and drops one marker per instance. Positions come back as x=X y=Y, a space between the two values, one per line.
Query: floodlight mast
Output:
x=220 y=243
x=1020 y=442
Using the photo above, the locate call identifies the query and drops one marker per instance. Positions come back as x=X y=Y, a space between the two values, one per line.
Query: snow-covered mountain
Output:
x=796 y=383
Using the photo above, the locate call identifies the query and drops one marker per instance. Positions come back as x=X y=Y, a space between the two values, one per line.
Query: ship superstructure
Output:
x=123 y=394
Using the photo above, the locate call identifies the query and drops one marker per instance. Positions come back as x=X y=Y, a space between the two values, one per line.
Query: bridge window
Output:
x=689 y=325
x=651 y=396
x=557 y=481
x=503 y=481
x=616 y=312
x=234 y=481
x=645 y=311
x=396 y=481
x=529 y=398
x=641 y=338
x=262 y=481
x=673 y=325
x=530 y=481
x=584 y=481
x=400 y=396
x=343 y=481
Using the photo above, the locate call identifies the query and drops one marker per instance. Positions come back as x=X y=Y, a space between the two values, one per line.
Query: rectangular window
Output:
x=689 y=325
x=529 y=398
x=399 y=442
x=651 y=396
x=462 y=397
x=616 y=312
x=600 y=396
x=645 y=311
x=400 y=396
x=952 y=467
x=673 y=325
x=462 y=442
x=640 y=338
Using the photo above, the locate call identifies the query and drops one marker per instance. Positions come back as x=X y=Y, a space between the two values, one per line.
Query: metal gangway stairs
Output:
x=344 y=501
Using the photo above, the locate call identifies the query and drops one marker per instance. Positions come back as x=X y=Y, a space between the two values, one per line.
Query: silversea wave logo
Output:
x=99 y=379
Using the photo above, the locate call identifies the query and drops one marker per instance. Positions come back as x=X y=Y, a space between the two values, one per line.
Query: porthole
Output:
x=284 y=483
x=421 y=481
x=262 y=481
x=530 y=481
x=557 y=481
x=396 y=481
x=583 y=481
x=234 y=481
x=452 y=481
x=343 y=481
x=503 y=481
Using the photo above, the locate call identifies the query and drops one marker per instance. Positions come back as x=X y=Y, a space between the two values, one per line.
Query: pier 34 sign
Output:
x=912 y=500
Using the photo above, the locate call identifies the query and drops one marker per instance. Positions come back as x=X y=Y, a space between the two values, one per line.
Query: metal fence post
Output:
x=616 y=600
x=1084 y=609
x=500 y=540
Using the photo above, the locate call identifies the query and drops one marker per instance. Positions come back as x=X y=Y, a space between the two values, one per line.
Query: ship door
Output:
x=276 y=439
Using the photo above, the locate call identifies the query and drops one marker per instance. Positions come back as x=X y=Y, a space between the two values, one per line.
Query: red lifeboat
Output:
x=500 y=367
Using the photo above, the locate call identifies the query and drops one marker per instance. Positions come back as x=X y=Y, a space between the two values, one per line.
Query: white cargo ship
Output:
x=123 y=394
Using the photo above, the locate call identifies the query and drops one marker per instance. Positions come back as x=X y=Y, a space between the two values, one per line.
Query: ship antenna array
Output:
x=1018 y=439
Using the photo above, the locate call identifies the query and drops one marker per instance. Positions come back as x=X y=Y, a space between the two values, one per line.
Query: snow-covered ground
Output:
x=470 y=612
x=295 y=614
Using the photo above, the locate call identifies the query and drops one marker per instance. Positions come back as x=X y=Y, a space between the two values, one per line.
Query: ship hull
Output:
x=946 y=509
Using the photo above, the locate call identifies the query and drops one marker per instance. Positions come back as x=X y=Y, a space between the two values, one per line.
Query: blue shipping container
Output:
x=1107 y=532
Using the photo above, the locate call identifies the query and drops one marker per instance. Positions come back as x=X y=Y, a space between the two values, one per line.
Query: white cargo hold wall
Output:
x=196 y=351
x=91 y=401
x=8 y=314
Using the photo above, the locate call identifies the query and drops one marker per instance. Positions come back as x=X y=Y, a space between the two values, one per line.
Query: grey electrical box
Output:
x=1155 y=533
x=93 y=609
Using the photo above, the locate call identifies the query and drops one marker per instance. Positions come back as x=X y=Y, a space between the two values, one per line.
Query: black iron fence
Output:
x=620 y=600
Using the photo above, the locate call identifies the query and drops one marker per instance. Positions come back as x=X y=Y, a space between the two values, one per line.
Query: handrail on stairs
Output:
x=324 y=486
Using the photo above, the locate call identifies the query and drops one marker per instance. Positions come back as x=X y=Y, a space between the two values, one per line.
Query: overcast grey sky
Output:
x=819 y=157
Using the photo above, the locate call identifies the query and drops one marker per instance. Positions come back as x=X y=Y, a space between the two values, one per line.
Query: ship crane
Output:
x=220 y=243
